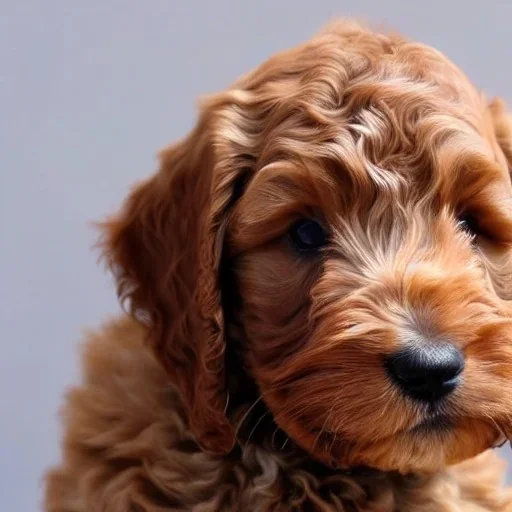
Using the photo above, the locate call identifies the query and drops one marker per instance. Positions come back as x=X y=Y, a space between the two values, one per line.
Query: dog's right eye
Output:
x=307 y=235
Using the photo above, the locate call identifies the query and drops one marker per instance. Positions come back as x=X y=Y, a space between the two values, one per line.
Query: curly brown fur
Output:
x=263 y=383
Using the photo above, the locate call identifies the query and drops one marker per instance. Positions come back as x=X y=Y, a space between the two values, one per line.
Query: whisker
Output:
x=334 y=439
x=274 y=437
x=255 y=427
x=503 y=439
x=245 y=416
x=227 y=403
x=328 y=416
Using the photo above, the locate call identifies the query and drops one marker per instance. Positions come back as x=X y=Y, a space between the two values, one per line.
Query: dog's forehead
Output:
x=382 y=114
x=379 y=97
x=387 y=133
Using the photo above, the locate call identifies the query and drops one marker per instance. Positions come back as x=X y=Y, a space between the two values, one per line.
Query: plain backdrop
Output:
x=89 y=92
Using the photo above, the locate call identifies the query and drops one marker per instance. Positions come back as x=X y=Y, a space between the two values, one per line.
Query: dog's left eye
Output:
x=469 y=224
x=307 y=235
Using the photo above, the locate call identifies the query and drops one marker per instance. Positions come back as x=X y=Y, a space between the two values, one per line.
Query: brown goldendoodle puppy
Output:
x=319 y=282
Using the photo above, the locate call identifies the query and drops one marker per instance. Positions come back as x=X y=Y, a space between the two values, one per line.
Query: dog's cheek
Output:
x=274 y=287
x=497 y=261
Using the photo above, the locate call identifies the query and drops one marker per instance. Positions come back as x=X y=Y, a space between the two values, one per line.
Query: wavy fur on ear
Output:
x=164 y=249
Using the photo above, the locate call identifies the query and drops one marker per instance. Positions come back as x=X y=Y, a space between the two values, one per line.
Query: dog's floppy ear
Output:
x=164 y=249
x=502 y=123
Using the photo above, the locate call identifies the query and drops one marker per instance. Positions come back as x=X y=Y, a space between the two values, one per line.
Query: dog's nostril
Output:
x=427 y=372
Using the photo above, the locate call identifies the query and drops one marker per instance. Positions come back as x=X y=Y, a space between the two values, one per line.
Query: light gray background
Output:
x=89 y=92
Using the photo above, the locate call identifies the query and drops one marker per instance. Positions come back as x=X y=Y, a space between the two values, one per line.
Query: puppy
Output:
x=319 y=282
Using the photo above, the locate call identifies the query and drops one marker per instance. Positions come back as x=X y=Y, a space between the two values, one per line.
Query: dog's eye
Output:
x=469 y=224
x=307 y=235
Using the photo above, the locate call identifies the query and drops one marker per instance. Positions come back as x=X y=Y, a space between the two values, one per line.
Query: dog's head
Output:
x=357 y=191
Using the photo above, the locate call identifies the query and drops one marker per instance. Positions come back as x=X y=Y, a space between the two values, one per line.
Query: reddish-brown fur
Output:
x=261 y=385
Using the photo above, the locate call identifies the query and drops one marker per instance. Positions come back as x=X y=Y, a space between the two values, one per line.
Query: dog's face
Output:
x=358 y=191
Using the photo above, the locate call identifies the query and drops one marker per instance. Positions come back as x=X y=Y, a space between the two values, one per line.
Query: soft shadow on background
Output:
x=88 y=94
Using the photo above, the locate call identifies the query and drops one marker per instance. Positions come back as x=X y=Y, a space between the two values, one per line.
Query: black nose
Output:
x=427 y=372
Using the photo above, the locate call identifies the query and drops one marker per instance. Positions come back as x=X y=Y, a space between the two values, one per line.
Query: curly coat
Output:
x=250 y=376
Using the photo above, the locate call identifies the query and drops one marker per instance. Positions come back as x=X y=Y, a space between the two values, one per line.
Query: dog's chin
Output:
x=425 y=447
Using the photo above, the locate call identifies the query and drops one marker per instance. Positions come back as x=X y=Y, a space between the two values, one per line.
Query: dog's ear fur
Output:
x=164 y=249
x=502 y=123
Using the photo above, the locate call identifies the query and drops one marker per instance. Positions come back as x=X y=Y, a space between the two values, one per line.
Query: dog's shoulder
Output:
x=116 y=360
x=126 y=440
x=122 y=383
